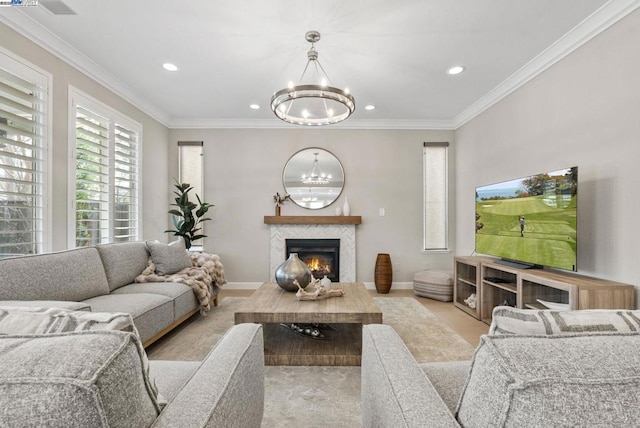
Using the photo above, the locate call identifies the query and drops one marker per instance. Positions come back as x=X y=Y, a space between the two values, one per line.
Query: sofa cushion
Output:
x=171 y=376
x=72 y=275
x=151 y=313
x=541 y=381
x=169 y=258
x=508 y=320
x=30 y=320
x=184 y=299
x=78 y=379
x=123 y=262
x=448 y=378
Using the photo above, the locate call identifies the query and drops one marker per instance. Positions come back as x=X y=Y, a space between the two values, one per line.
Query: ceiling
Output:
x=393 y=55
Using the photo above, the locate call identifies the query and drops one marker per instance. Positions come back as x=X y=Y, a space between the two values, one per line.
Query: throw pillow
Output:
x=37 y=321
x=508 y=321
x=553 y=381
x=169 y=258
x=75 y=379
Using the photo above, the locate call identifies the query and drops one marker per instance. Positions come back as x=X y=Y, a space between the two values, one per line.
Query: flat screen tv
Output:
x=531 y=220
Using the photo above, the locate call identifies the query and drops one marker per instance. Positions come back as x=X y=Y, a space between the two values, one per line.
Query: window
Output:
x=190 y=158
x=106 y=181
x=24 y=133
x=435 y=158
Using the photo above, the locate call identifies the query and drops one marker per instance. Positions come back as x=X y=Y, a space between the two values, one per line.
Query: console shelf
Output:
x=467 y=282
x=495 y=284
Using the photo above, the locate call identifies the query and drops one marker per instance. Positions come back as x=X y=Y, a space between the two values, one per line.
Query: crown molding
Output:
x=596 y=23
x=29 y=28
x=278 y=124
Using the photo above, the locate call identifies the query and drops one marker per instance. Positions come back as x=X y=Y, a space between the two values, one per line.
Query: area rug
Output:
x=317 y=396
x=426 y=336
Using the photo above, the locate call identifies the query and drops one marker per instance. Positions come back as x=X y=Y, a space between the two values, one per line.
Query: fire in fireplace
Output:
x=321 y=255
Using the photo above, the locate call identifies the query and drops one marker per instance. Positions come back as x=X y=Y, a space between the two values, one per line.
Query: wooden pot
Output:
x=383 y=276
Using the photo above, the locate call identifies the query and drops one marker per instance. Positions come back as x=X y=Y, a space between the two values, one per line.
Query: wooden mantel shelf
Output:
x=312 y=219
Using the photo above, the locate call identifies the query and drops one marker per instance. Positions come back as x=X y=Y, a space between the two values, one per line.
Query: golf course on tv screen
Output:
x=531 y=220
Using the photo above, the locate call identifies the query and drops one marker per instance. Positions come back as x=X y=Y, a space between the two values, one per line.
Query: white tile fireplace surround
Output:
x=345 y=232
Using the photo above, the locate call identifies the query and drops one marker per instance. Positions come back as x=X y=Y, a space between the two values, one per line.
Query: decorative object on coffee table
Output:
x=310 y=331
x=325 y=283
x=383 y=276
x=293 y=269
x=318 y=292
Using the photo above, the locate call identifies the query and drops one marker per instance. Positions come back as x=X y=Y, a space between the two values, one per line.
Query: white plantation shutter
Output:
x=92 y=178
x=126 y=184
x=107 y=175
x=435 y=159
x=23 y=158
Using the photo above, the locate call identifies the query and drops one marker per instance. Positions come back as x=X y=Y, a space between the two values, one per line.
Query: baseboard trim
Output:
x=256 y=285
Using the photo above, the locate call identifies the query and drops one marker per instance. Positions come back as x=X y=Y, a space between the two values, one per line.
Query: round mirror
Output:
x=313 y=177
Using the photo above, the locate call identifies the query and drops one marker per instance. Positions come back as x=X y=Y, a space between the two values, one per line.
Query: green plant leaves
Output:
x=184 y=221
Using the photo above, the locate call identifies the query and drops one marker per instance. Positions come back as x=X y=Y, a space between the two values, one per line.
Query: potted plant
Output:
x=188 y=217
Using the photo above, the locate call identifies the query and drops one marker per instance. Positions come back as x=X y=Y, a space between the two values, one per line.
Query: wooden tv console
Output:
x=494 y=284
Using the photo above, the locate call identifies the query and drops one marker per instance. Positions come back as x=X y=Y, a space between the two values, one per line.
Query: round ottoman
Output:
x=434 y=284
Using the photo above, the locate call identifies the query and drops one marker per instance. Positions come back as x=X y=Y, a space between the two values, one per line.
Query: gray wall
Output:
x=383 y=169
x=155 y=163
x=583 y=111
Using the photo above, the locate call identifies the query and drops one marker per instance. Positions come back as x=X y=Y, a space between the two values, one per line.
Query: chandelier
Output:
x=313 y=103
x=316 y=175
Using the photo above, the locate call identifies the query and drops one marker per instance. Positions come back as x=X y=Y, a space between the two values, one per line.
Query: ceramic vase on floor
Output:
x=383 y=276
x=293 y=268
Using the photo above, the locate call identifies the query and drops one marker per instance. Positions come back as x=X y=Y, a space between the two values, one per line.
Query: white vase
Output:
x=346 y=209
x=325 y=283
x=338 y=210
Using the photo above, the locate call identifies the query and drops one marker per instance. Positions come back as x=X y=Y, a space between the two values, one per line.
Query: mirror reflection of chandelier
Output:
x=316 y=175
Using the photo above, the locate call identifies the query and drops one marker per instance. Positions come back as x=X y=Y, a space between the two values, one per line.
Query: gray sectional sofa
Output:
x=79 y=379
x=533 y=369
x=99 y=279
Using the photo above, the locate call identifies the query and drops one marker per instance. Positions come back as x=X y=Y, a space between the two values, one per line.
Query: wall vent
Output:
x=56 y=7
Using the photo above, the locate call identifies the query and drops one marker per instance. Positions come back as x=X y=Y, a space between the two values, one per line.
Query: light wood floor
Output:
x=460 y=322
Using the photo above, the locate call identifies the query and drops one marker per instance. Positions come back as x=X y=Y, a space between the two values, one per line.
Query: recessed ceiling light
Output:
x=170 y=67
x=254 y=106
x=455 y=70
x=370 y=107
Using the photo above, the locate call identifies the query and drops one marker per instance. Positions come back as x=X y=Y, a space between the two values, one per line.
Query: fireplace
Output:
x=321 y=255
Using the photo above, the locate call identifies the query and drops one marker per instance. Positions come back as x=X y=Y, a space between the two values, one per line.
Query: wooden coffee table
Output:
x=271 y=305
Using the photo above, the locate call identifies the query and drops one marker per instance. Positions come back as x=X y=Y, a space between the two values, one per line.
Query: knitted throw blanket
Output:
x=207 y=270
